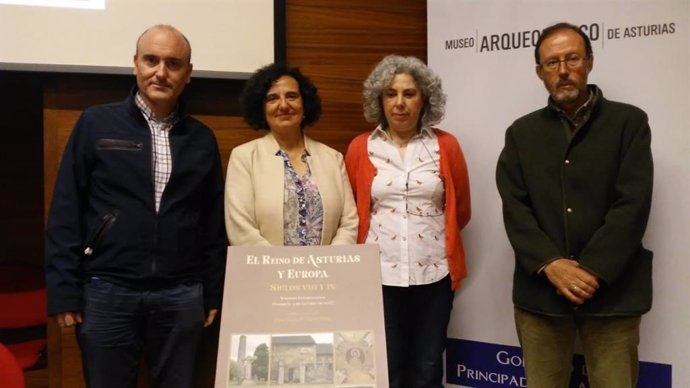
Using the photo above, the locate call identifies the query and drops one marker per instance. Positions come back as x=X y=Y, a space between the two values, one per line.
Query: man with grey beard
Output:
x=575 y=178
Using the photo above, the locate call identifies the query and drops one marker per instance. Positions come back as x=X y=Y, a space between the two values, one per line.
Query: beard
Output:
x=568 y=94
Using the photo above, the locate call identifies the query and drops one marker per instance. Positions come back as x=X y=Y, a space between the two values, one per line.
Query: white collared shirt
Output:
x=407 y=209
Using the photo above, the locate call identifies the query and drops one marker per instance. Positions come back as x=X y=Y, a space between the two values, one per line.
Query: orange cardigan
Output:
x=457 y=189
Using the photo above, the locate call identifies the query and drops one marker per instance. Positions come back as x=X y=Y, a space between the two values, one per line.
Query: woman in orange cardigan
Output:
x=411 y=187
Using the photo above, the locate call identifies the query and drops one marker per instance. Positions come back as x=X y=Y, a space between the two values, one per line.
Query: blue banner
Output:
x=485 y=365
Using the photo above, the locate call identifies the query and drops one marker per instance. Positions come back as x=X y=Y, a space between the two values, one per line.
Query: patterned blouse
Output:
x=302 y=207
x=407 y=209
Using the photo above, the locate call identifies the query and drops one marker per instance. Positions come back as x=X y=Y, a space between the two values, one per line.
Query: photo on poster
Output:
x=355 y=359
x=249 y=360
x=318 y=360
x=301 y=360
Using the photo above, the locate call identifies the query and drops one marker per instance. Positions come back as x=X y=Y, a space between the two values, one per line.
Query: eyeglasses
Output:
x=432 y=207
x=572 y=62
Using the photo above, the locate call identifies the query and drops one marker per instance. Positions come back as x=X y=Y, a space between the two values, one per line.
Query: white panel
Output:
x=228 y=37
x=488 y=88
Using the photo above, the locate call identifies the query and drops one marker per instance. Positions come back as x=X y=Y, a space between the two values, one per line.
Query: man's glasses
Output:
x=572 y=62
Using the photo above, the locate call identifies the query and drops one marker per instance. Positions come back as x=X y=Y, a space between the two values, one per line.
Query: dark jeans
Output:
x=416 y=320
x=120 y=324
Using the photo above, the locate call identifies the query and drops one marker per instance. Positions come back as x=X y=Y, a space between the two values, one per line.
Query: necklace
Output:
x=399 y=143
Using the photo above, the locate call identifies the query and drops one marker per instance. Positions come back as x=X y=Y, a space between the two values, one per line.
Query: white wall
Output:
x=230 y=38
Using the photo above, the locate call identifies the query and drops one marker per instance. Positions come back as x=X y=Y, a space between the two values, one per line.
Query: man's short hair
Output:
x=550 y=30
x=169 y=28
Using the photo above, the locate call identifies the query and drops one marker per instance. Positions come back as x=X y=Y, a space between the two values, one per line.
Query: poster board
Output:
x=302 y=316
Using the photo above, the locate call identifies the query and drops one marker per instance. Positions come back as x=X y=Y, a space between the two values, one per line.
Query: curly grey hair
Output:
x=428 y=83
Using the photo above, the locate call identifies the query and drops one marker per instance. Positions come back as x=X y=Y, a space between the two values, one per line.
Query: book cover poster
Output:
x=302 y=317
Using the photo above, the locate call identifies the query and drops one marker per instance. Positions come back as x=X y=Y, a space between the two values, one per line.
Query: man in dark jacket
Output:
x=135 y=240
x=576 y=182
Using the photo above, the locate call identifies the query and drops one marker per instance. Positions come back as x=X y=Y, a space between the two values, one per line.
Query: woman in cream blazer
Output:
x=282 y=100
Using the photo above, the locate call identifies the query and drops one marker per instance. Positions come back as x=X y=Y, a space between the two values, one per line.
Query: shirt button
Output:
x=404 y=216
x=569 y=210
x=404 y=238
x=567 y=161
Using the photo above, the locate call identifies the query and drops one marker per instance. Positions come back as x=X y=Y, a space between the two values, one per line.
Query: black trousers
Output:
x=416 y=319
x=121 y=324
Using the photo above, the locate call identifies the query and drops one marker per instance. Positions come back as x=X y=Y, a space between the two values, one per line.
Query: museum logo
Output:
x=598 y=33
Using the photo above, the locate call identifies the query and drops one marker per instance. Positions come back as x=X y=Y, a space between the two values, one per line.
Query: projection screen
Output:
x=230 y=38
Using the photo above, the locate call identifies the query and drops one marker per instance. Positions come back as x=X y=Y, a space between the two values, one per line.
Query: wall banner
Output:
x=484 y=52
x=486 y=365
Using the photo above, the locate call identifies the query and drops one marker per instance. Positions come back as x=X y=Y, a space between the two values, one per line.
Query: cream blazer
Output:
x=254 y=189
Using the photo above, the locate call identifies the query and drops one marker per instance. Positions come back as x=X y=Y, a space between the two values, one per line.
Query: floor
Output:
x=36 y=378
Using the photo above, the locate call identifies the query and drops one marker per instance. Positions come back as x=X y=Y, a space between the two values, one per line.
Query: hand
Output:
x=68 y=319
x=572 y=281
x=211 y=317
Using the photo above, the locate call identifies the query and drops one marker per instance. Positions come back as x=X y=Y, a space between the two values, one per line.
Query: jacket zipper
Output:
x=98 y=235
x=156 y=238
x=118 y=144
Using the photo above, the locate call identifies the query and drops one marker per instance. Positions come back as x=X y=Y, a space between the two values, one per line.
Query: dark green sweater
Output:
x=585 y=198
